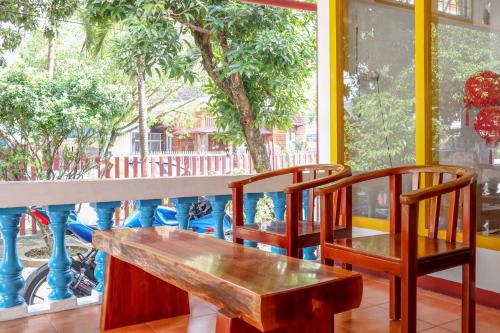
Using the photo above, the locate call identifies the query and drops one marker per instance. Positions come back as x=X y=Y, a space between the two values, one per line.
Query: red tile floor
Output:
x=436 y=314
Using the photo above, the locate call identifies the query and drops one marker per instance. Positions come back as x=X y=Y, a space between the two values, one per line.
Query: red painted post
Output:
x=136 y=164
x=55 y=164
x=209 y=164
x=217 y=164
x=202 y=166
x=117 y=176
x=169 y=170
x=193 y=165
x=153 y=166
x=126 y=204
x=162 y=166
x=187 y=170
x=177 y=166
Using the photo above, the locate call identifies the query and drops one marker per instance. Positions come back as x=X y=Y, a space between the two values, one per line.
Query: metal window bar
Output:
x=451 y=7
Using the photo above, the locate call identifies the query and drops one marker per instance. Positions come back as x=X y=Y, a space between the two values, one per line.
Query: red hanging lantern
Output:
x=487 y=126
x=482 y=89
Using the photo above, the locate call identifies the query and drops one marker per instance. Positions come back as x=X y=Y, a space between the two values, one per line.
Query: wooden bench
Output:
x=151 y=271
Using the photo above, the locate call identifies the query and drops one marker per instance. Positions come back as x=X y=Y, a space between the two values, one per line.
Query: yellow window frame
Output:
x=423 y=108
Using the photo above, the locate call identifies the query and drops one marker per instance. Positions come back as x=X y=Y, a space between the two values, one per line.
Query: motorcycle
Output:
x=83 y=264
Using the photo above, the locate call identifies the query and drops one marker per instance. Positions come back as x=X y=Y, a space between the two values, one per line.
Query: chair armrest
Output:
x=260 y=176
x=280 y=172
x=468 y=177
x=344 y=171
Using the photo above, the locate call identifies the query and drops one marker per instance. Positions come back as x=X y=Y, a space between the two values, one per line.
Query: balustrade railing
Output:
x=105 y=197
x=173 y=165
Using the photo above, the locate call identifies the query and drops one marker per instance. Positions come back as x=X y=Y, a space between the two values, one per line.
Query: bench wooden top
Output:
x=264 y=289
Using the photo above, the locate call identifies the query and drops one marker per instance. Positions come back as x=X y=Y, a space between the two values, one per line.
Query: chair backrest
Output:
x=428 y=183
x=319 y=174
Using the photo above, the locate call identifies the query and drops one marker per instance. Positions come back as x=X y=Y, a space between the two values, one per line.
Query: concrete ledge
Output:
x=49 y=307
x=66 y=304
x=13 y=313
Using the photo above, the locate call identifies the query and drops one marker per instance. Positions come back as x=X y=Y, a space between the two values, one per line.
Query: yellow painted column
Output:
x=423 y=92
x=423 y=81
x=338 y=10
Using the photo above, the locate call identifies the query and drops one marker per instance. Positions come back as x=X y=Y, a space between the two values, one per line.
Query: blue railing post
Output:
x=307 y=252
x=105 y=211
x=182 y=206
x=11 y=280
x=147 y=211
x=219 y=203
x=250 y=209
x=60 y=274
x=279 y=208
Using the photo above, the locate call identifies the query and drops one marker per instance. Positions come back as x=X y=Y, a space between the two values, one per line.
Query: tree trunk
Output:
x=143 y=114
x=50 y=58
x=253 y=137
x=234 y=88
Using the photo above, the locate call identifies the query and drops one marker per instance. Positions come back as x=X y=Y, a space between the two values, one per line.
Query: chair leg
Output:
x=468 y=298
x=409 y=304
x=395 y=298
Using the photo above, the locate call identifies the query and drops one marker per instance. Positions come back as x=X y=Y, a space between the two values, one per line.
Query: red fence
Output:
x=173 y=165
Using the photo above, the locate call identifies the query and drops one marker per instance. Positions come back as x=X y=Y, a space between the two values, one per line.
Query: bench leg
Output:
x=133 y=296
x=227 y=324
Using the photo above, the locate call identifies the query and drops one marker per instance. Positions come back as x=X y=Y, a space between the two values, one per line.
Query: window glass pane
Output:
x=466 y=103
x=380 y=95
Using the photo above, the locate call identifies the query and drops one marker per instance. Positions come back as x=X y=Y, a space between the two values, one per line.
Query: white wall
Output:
x=123 y=145
x=324 y=81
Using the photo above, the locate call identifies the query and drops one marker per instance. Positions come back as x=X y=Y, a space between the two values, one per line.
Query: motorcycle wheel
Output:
x=36 y=288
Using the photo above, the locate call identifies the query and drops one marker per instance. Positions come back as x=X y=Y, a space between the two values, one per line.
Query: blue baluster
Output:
x=249 y=210
x=11 y=280
x=147 y=211
x=182 y=206
x=60 y=274
x=219 y=203
x=279 y=207
x=105 y=211
x=308 y=253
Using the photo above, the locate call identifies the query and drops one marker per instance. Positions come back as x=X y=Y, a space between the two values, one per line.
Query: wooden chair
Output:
x=294 y=233
x=402 y=253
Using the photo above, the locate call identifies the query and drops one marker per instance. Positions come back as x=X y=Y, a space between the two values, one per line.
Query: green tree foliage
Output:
x=258 y=58
x=20 y=16
x=43 y=119
x=378 y=139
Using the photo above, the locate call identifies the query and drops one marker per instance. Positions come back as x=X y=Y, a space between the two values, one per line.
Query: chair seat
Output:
x=388 y=246
x=279 y=228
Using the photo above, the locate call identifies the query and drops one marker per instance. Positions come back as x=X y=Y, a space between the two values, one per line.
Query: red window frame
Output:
x=292 y=4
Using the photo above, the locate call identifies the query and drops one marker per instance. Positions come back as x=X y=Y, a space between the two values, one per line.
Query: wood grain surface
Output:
x=265 y=290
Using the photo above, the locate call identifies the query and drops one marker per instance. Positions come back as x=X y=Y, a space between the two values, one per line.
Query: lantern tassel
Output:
x=467 y=116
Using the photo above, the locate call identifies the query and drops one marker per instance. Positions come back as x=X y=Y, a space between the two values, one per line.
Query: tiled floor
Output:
x=436 y=314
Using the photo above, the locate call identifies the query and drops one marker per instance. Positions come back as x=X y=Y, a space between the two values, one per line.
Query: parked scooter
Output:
x=82 y=265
